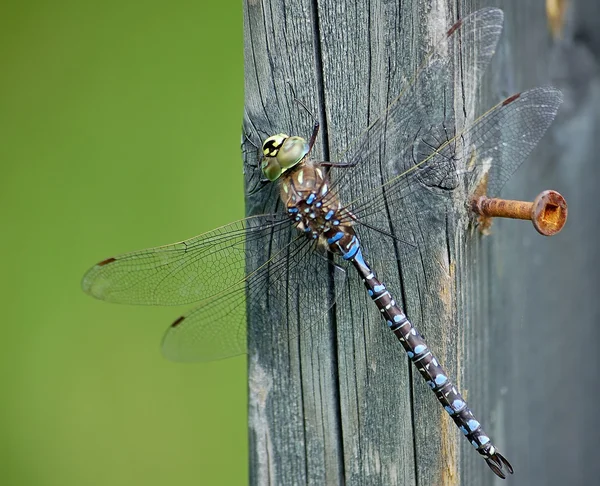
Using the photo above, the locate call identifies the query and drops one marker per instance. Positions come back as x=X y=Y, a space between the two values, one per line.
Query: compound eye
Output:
x=292 y=151
x=272 y=144
x=270 y=168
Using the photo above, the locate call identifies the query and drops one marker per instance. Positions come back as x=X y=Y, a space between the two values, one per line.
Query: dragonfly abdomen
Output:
x=348 y=245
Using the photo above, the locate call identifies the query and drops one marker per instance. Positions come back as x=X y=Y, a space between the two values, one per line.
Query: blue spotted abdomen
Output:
x=346 y=243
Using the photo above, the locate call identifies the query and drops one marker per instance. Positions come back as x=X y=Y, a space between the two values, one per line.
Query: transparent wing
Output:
x=187 y=271
x=457 y=61
x=490 y=150
x=293 y=288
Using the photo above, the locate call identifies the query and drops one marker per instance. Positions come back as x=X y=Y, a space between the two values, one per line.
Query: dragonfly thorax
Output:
x=314 y=209
x=282 y=152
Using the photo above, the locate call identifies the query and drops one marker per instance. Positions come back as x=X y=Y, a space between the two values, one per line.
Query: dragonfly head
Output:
x=281 y=152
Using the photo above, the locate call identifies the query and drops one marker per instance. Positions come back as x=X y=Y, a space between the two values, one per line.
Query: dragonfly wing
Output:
x=187 y=271
x=490 y=149
x=290 y=293
x=428 y=98
x=505 y=136
x=214 y=330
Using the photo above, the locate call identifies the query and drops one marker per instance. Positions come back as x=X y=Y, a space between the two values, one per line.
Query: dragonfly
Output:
x=233 y=270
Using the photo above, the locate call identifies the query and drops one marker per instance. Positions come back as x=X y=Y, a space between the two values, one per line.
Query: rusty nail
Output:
x=547 y=212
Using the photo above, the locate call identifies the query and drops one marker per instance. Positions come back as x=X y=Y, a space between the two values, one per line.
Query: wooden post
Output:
x=344 y=405
x=543 y=291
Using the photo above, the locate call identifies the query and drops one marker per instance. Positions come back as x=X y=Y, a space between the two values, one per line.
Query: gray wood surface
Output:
x=512 y=316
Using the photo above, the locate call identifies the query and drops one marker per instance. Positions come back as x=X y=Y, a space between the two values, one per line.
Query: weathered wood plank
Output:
x=294 y=431
x=394 y=430
x=543 y=303
x=341 y=404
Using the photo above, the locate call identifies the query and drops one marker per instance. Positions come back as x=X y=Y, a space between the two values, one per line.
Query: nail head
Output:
x=549 y=212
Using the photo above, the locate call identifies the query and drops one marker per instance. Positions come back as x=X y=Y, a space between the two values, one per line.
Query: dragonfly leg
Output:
x=313 y=137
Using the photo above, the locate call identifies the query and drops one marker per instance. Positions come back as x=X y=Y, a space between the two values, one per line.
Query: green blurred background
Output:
x=120 y=129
